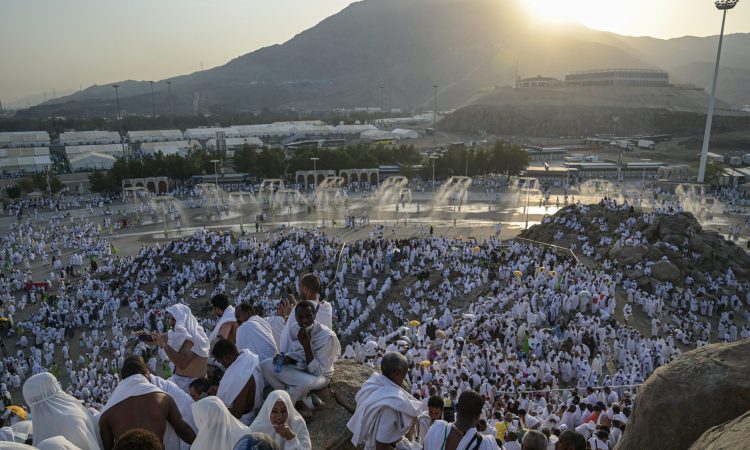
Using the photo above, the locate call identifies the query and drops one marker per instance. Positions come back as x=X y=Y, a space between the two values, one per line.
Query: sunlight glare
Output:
x=598 y=14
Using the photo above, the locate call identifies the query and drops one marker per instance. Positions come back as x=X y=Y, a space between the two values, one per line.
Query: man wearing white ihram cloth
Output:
x=254 y=333
x=241 y=387
x=186 y=345
x=385 y=412
x=463 y=433
x=308 y=359
x=309 y=289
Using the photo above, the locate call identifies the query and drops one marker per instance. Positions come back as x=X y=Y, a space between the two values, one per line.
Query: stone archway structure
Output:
x=371 y=176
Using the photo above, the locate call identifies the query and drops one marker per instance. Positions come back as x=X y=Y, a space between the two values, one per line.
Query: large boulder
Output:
x=628 y=255
x=664 y=270
x=727 y=436
x=328 y=427
x=702 y=388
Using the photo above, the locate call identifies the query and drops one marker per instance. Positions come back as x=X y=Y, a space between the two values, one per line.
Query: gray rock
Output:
x=727 y=436
x=328 y=427
x=679 y=402
x=665 y=271
x=628 y=255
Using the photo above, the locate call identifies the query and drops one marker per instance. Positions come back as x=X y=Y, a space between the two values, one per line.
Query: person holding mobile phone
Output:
x=308 y=359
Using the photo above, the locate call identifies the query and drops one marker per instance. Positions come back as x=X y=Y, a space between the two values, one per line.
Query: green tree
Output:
x=12 y=191
x=25 y=185
x=246 y=160
x=102 y=182
x=270 y=163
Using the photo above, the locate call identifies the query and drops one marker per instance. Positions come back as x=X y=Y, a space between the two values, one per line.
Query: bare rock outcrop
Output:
x=328 y=428
x=701 y=389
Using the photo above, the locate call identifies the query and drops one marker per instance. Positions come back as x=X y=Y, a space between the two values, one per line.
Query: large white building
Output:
x=89 y=137
x=24 y=139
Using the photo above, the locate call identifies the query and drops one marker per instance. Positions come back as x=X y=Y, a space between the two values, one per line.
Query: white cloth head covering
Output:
x=262 y=423
x=236 y=377
x=55 y=413
x=6 y=434
x=56 y=443
x=15 y=446
x=187 y=328
x=217 y=428
x=227 y=317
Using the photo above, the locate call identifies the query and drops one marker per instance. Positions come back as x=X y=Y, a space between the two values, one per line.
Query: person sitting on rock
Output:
x=385 y=411
x=308 y=359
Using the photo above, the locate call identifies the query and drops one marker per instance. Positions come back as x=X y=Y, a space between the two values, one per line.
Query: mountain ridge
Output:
x=407 y=47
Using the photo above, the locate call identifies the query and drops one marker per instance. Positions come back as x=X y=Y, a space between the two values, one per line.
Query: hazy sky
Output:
x=64 y=44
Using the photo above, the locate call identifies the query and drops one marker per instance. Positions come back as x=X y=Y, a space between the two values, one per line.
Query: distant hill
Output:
x=462 y=46
x=580 y=111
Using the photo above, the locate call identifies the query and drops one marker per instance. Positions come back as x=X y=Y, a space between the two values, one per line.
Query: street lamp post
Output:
x=216 y=171
x=117 y=96
x=315 y=159
x=433 y=158
x=721 y=5
x=527 y=183
x=119 y=119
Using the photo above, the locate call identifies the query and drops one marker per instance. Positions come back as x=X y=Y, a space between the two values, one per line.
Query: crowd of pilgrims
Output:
x=530 y=329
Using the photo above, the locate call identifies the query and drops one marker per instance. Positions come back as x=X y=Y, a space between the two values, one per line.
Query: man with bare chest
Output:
x=137 y=403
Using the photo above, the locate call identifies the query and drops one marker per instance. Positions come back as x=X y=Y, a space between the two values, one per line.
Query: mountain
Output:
x=463 y=46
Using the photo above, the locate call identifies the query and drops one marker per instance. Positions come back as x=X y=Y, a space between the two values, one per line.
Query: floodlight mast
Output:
x=721 y=5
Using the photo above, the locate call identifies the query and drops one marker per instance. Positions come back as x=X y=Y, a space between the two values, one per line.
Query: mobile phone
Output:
x=145 y=337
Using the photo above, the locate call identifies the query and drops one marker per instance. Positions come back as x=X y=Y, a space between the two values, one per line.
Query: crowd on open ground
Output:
x=203 y=340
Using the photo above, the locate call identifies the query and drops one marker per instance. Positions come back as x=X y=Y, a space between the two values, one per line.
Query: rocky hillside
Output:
x=707 y=253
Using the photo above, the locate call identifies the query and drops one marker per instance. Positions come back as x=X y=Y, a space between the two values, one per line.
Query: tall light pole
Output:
x=216 y=171
x=527 y=183
x=119 y=119
x=434 y=115
x=153 y=104
x=117 y=96
x=315 y=159
x=171 y=112
x=433 y=158
x=721 y=5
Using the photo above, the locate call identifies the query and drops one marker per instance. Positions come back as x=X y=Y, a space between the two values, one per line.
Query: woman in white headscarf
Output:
x=55 y=413
x=217 y=428
x=56 y=443
x=278 y=419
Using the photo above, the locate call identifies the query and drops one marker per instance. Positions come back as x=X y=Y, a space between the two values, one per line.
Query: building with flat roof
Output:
x=538 y=81
x=541 y=154
x=28 y=159
x=22 y=139
x=618 y=77
x=138 y=137
x=89 y=137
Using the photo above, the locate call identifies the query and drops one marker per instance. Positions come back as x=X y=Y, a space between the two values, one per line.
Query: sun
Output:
x=598 y=14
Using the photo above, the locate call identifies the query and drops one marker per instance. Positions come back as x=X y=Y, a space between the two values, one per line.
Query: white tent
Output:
x=91 y=161
x=167 y=148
